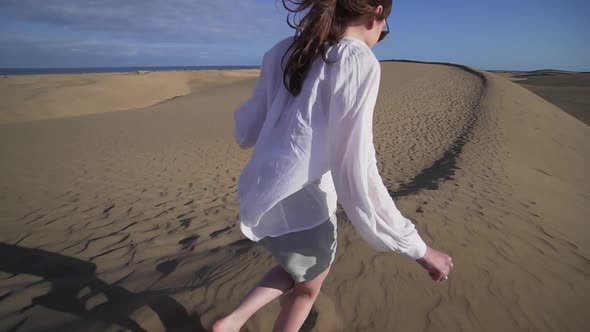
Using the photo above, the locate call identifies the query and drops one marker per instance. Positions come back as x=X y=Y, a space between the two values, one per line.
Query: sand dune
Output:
x=127 y=220
x=34 y=97
x=568 y=90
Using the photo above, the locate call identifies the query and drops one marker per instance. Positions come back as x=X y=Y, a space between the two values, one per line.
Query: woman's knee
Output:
x=311 y=288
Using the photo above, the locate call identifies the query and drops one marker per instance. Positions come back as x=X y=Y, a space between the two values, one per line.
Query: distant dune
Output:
x=126 y=220
x=568 y=90
x=36 y=97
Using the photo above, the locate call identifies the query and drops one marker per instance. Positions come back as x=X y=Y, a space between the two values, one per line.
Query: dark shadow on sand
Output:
x=444 y=168
x=68 y=276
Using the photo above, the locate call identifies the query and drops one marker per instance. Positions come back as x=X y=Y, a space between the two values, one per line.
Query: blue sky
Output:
x=499 y=34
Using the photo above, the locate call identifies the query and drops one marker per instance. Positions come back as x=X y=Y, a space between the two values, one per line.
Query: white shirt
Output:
x=315 y=149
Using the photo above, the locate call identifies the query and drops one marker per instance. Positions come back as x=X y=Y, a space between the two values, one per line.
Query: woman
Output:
x=310 y=122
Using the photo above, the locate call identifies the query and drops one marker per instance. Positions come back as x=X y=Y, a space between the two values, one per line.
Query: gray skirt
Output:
x=305 y=254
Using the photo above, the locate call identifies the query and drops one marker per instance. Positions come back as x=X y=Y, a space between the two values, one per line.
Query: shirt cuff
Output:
x=419 y=249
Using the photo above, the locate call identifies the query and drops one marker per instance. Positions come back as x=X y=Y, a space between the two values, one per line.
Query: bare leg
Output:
x=297 y=307
x=274 y=283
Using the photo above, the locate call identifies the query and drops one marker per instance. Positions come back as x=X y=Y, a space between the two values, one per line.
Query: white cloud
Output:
x=152 y=20
x=218 y=30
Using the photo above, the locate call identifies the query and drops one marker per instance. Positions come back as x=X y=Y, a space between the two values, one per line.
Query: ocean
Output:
x=74 y=70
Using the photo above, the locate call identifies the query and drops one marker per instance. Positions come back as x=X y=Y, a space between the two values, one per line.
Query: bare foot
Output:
x=225 y=324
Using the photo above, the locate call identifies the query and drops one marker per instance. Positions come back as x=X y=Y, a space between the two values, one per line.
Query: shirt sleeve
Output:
x=359 y=186
x=249 y=116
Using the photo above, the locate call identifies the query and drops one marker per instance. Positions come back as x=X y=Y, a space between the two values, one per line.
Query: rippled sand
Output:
x=126 y=220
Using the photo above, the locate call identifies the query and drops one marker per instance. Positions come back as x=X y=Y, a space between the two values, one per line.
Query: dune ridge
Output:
x=444 y=167
x=568 y=90
x=36 y=97
x=134 y=211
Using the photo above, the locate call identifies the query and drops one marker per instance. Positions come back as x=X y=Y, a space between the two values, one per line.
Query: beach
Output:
x=117 y=206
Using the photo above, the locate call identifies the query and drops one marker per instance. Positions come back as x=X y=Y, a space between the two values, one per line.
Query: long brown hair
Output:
x=324 y=22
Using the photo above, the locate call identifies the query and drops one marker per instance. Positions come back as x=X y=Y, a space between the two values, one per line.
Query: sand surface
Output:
x=34 y=97
x=568 y=90
x=126 y=220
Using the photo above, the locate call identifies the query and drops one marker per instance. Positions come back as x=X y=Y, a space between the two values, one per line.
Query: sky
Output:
x=499 y=34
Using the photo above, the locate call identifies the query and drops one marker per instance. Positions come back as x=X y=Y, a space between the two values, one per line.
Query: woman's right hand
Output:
x=436 y=263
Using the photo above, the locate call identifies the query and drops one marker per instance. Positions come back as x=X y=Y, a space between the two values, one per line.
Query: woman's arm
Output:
x=359 y=187
x=249 y=117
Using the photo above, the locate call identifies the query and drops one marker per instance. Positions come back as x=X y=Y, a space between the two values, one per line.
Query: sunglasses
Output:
x=384 y=32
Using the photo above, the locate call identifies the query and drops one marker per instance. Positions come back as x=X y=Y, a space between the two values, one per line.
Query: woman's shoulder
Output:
x=345 y=52
x=359 y=49
x=352 y=53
